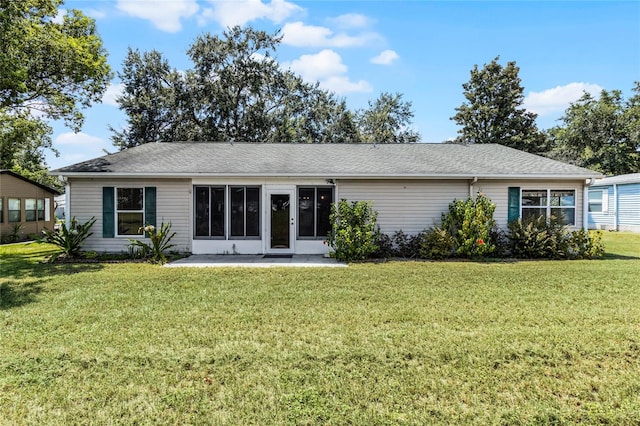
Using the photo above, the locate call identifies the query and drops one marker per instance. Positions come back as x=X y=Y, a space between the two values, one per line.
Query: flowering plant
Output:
x=160 y=242
x=69 y=238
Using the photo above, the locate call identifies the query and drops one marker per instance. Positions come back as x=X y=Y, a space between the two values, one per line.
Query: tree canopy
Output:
x=493 y=112
x=49 y=69
x=237 y=91
x=601 y=133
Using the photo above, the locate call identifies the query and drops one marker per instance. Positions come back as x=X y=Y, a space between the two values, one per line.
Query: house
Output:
x=26 y=204
x=614 y=203
x=275 y=198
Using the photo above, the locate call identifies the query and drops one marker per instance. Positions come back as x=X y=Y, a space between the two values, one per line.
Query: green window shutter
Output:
x=150 y=205
x=108 y=212
x=514 y=204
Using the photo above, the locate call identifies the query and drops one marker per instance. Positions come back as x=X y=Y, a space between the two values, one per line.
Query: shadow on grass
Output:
x=613 y=256
x=25 y=274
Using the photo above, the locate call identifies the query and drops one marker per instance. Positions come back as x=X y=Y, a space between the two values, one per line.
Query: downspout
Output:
x=475 y=179
x=67 y=203
x=615 y=206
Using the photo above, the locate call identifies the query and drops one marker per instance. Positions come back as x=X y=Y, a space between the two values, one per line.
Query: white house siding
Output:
x=498 y=192
x=629 y=207
x=173 y=204
x=408 y=205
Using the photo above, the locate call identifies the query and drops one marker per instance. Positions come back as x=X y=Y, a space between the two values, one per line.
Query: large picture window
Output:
x=216 y=207
x=314 y=207
x=559 y=204
x=14 y=210
x=130 y=211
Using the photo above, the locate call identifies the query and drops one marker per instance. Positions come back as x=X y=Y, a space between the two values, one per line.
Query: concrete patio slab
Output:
x=255 y=261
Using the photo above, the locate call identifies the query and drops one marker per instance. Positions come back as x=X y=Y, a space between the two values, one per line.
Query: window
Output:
x=245 y=211
x=209 y=211
x=314 y=206
x=213 y=211
x=598 y=201
x=130 y=211
x=559 y=204
x=14 y=210
x=33 y=209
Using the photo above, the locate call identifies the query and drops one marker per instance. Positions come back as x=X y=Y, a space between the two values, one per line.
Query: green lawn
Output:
x=544 y=342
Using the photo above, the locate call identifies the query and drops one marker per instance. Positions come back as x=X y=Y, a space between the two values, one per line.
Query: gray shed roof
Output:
x=620 y=179
x=420 y=160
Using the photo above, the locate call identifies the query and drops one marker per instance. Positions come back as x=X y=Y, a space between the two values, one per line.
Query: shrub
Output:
x=471 y=225
x=585 y=244
x=385 y=247
x=407 y=246
x=15 y=235
x=354 y=234
x=160 y=242
x=437 y=244
x=70 y=238
x=538 y=238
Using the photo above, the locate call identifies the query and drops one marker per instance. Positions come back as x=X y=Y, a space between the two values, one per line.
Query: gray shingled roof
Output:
x=326 y=160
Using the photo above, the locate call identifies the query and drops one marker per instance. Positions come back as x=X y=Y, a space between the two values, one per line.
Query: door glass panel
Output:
x=280 y=221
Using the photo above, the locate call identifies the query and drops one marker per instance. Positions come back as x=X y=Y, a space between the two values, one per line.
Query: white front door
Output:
x=280 y=221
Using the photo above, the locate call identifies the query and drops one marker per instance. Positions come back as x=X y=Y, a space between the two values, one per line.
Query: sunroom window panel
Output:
x=306 y=204
x=202 y=212
x=40 y=209
x=325 y=198
x=13 y=205
x=217 y=212
x=253 y=212
x=237 y=212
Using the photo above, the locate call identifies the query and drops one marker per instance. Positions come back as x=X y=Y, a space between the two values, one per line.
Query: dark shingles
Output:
x=330 y=160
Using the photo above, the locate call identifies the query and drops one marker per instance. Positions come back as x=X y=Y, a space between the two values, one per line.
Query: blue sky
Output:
x=359 y=49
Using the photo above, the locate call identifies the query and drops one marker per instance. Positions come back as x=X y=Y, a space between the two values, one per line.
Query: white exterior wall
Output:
x=498 y=192
x=173 y=204
x=408 y=205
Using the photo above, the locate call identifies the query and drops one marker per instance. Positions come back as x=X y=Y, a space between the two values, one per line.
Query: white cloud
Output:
x=59 y=18
x=300 y=35
x=112 y=92
x=351 y=20
x=341 y=85
x=94 y=13
x=327 y=68
x=556 y=100
x=83 y=139
x=318 y=66
x=385 y=57
x=229 y=13
x=165 y=15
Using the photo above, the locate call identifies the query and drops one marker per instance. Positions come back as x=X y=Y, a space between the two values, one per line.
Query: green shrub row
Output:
x=468 y=231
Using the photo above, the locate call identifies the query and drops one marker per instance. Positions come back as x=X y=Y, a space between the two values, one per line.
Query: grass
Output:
x=544 y=342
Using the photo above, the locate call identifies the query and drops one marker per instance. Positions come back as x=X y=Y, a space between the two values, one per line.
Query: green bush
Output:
x=471 y=225
x=437 y=244
x=538 y=238
x=70 y=238
x=160 y=243
x=407 y=246
x=385 y=247
x=354 y=234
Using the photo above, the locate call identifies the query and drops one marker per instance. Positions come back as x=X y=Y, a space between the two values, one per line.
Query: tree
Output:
x=48 y=70
x=237 y=91
x=492 y=112
x=387 y=120
x=602 y=133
